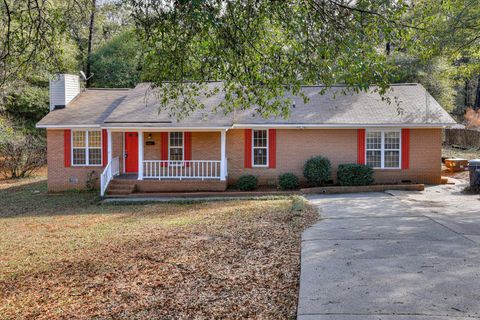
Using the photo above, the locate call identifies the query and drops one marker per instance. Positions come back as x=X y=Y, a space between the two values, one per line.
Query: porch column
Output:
x=140 y=155
x=109 y=146
x=223 y=156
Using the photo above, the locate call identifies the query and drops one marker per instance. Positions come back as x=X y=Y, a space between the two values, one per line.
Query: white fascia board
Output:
x=169 y=129
x=259 y=126
x=64 y=126
x=342 y=126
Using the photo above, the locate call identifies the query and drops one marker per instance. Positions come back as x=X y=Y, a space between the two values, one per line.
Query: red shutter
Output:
x=405 y=148
x=248 y=148
x=187 y=136
x=67 y=147
x=105 y=147
x=361 y=146
x=164 y=148
x=272 y=148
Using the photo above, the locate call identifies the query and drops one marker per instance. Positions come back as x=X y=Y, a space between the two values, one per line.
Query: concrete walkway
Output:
x=392 y=256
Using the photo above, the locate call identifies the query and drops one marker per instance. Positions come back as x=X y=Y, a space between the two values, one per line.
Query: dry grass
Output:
x=450 y=152
x=67 y=257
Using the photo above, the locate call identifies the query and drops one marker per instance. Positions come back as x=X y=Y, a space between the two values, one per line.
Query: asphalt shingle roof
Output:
x=91 y=107
x=402 y=104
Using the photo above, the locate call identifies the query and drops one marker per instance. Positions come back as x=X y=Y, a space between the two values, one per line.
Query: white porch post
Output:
x=140 y=155
x=223 y=156
x=109 y=146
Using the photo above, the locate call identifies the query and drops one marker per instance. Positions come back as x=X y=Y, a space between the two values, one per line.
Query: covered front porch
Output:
x=159 y=161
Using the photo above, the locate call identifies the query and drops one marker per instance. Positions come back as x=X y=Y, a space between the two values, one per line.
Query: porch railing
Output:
x=111 y=170
x=187 y=169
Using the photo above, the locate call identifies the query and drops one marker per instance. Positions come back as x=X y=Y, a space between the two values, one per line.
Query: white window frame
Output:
x=87 y=148
x=253 y=148
x=382 y=150
x=177 y=162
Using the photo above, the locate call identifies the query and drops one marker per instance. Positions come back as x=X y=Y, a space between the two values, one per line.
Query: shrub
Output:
x=288 y=181
x=247 y=183
x=317 y=170
x=91 y=182
x=354 y=175
x=21 y=154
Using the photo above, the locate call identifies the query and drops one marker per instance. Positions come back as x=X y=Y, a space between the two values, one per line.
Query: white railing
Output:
x=111 y=170
x=188 y=169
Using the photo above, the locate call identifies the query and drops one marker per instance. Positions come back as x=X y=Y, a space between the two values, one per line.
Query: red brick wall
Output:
x=61 y=178
x=295 y=146
x=205 y=146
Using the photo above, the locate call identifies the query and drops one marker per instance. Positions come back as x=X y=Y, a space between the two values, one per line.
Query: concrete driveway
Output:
x=392 y=256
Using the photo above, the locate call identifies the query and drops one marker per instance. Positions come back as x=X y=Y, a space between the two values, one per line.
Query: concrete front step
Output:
x=121 y=187
x=118 y=192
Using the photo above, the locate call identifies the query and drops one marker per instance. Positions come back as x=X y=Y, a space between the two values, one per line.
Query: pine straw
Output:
x=237 y=259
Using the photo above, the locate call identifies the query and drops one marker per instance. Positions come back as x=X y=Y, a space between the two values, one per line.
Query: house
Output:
x=119 y=137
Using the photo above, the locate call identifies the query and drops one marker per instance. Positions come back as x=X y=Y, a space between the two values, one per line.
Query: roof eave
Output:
x=342 y=126
x=66 y=126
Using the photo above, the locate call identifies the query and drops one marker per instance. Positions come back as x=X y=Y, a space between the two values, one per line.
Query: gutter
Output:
x=343 y=126
x=64 y=126
x=265 y=125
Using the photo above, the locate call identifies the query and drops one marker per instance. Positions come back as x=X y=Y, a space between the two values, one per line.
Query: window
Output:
x=86 y=148
x=383 y=149
x=260 y=148
x=175 y=146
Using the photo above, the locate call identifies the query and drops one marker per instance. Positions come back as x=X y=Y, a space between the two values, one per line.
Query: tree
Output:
x=116 y=64
x=91 y=24
x=262 y=49
x=21 y=154
x=30 y=31
x=451 y=33
x=90 y=41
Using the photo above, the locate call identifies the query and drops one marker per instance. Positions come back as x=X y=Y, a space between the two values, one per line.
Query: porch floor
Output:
x=134 y=176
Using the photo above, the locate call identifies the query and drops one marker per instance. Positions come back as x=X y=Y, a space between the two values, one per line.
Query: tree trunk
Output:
x=90 y=42
x=476 y=105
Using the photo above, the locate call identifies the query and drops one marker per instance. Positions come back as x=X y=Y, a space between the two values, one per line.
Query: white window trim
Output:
x=86 y=148
x=382 y=150
x=253 y=148
x=180 y=162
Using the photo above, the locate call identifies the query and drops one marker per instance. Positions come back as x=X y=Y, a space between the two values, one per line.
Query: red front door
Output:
x=131 y=152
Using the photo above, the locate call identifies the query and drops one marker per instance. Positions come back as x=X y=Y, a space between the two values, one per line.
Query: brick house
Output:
x=118 y=138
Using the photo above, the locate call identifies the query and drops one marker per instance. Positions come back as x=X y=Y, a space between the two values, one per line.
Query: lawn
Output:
x=68 y=256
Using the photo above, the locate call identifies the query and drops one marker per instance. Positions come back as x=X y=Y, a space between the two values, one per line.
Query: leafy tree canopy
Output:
x=261 y=49
x=116 y=64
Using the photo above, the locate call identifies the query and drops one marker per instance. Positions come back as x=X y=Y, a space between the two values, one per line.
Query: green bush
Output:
x=288 y=181
x=354 y=175
x=247 y=183
x=317 y=170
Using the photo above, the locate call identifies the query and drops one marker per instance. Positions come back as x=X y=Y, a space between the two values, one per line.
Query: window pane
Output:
x=260 y=157
x=374 y=140
x=259 y=138
x=392 y=140
x=374 y=159
x=176 y=139
x=176 y=154
x=94 y=139
x=94 y=156
x=79 y=156
x=392 y=159
x=79 y=139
